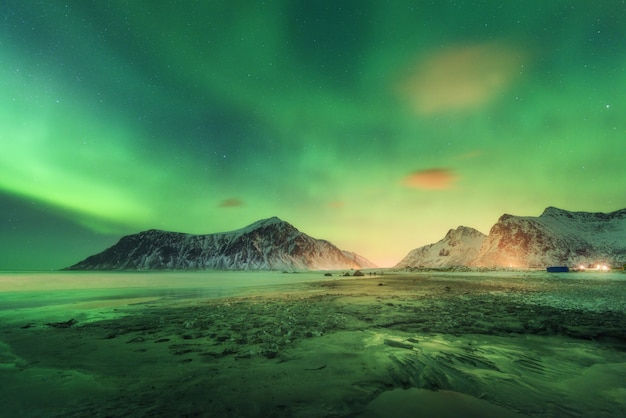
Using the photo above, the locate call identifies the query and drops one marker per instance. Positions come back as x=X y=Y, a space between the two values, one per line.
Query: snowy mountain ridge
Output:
x=556 y=237
x=458 y=248
x=268 y=244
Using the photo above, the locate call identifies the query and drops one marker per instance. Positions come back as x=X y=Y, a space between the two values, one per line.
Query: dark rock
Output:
x=66 y=324
x=398 y=344
x=270 y=354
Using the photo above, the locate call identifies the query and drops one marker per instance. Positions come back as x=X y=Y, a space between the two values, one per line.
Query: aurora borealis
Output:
x=377 y=125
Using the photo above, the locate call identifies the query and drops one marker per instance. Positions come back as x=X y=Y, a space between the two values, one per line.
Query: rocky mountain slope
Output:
x=269 y=244
x=458 y=248
x=557 y=237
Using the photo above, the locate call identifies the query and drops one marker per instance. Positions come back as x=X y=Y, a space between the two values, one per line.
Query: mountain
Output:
x=557 y=237
x=458 y=248
x=269 y=244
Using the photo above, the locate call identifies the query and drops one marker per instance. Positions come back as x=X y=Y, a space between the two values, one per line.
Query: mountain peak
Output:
x=270 y=221
x=268 y=244
x=463 y=231
x=274 y=221
x=556 y=237
x=551 y=211
x=457 y=248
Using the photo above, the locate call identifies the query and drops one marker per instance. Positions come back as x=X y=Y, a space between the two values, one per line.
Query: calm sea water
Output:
x=34 y=289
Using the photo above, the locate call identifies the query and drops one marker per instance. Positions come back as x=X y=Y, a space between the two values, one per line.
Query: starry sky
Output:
x=375 y=124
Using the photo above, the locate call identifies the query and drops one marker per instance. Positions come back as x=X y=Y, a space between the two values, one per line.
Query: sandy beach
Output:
x=420 y=344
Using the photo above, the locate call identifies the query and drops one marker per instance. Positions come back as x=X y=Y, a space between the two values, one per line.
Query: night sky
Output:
x=377 y=125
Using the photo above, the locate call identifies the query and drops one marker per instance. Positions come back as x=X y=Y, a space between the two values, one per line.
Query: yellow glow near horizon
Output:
x=377 y=126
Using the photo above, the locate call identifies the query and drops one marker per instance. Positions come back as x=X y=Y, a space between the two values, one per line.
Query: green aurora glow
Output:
x=377 y=125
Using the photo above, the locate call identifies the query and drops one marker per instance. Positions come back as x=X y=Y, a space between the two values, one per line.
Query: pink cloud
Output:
x=230 y=203
x=431 y=179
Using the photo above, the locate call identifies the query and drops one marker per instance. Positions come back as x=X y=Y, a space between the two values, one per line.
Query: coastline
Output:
x=507 y=344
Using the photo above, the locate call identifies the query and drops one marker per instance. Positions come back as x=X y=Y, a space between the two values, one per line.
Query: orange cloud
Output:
x=459 y=78
x=336 y=204
x=431 y=179
x=231 y=203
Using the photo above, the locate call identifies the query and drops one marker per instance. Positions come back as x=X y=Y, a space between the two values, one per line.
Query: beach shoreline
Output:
x=500 y=345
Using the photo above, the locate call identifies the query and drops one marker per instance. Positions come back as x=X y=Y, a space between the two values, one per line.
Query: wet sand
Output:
x=431 y=345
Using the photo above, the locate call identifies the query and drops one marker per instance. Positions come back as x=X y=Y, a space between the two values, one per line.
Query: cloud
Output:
x=230 y=203
x=337 y=204
x=431 y=179
x=461 y=77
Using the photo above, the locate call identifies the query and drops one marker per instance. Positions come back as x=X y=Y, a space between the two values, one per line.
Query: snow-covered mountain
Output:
x=458 y=248
x=557 y=237
x=268 y=244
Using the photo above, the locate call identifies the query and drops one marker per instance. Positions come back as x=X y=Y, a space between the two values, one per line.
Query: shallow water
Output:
x=275 y=344
x=35 y=289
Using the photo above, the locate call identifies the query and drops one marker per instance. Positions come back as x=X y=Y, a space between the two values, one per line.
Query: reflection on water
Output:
x=36 y=289
x=30 y=290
